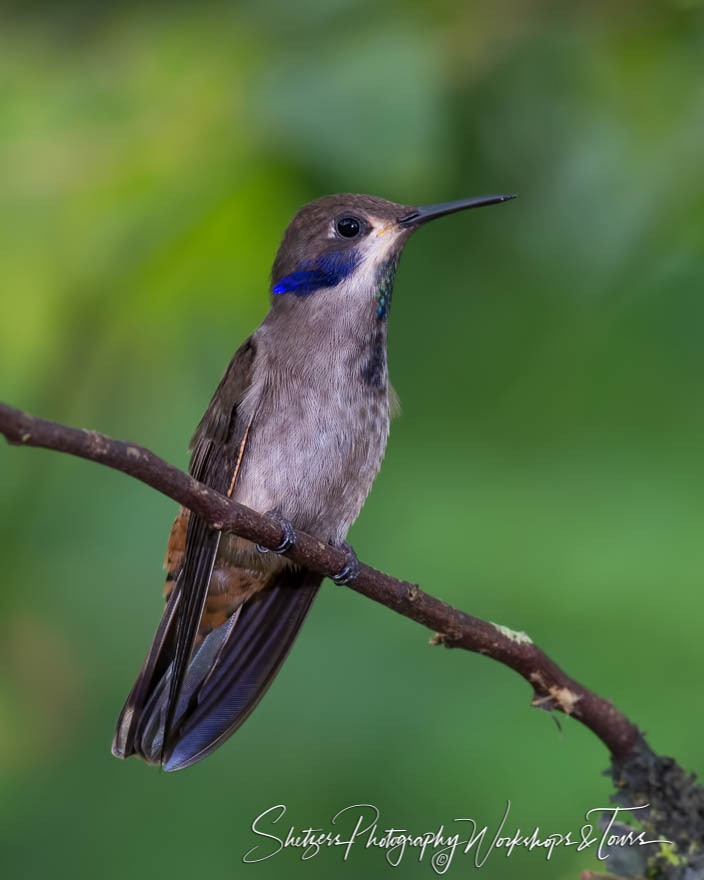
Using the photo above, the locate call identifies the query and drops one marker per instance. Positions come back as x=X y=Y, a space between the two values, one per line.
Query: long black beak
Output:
x=430 y=212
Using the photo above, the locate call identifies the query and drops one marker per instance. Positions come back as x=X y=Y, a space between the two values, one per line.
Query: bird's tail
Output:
x=228 y=674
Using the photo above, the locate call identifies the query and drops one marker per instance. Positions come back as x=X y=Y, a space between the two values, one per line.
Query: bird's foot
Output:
x=351 y=569
x=288 y=530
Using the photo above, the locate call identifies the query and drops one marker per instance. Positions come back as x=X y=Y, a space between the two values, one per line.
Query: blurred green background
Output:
x=547 y=469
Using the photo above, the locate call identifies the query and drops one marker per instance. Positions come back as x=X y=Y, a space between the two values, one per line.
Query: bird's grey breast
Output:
x=319 y=409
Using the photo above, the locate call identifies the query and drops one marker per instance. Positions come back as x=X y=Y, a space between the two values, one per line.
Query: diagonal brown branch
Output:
x=553 y=688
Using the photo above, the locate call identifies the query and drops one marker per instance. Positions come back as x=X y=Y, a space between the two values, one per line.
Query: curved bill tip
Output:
x=429 y=212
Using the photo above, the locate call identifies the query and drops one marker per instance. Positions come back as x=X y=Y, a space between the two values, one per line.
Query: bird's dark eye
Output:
x=348 y=227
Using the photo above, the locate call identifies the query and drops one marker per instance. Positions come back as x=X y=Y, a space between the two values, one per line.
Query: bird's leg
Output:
x=288 y=530
x=351 y=568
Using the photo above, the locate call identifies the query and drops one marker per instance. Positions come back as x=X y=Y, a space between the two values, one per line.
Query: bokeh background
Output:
x=547 y=469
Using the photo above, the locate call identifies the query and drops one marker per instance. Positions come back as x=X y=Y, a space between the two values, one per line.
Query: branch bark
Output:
x=553 y=689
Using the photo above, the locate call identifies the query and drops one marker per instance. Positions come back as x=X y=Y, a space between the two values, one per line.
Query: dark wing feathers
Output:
x=153 y=668
x=216 y=446
x=238 y=667
x=201 y=549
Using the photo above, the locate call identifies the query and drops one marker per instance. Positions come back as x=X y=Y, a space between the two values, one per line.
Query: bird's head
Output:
x=351 y=239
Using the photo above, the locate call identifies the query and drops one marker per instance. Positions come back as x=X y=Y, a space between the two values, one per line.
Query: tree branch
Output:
x=676 y=801
x=552 y=688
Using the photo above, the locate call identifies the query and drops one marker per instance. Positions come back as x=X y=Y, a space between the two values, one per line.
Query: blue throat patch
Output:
x=327 y=271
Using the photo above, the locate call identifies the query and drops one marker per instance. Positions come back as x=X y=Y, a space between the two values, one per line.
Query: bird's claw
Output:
x=351 y=568
x=288 y=530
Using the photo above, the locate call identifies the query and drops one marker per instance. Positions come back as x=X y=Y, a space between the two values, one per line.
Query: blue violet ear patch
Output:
x=327 y=271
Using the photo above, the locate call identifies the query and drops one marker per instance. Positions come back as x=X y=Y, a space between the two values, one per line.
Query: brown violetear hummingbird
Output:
x=297 y=428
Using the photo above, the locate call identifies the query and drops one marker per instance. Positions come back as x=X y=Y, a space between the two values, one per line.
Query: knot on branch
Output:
x=445 y=639
x=551 y=696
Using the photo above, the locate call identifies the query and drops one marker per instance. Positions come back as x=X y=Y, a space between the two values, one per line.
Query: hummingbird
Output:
x=297 y=428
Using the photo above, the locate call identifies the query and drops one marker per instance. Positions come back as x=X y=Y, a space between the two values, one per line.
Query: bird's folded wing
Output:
x=218 y=447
